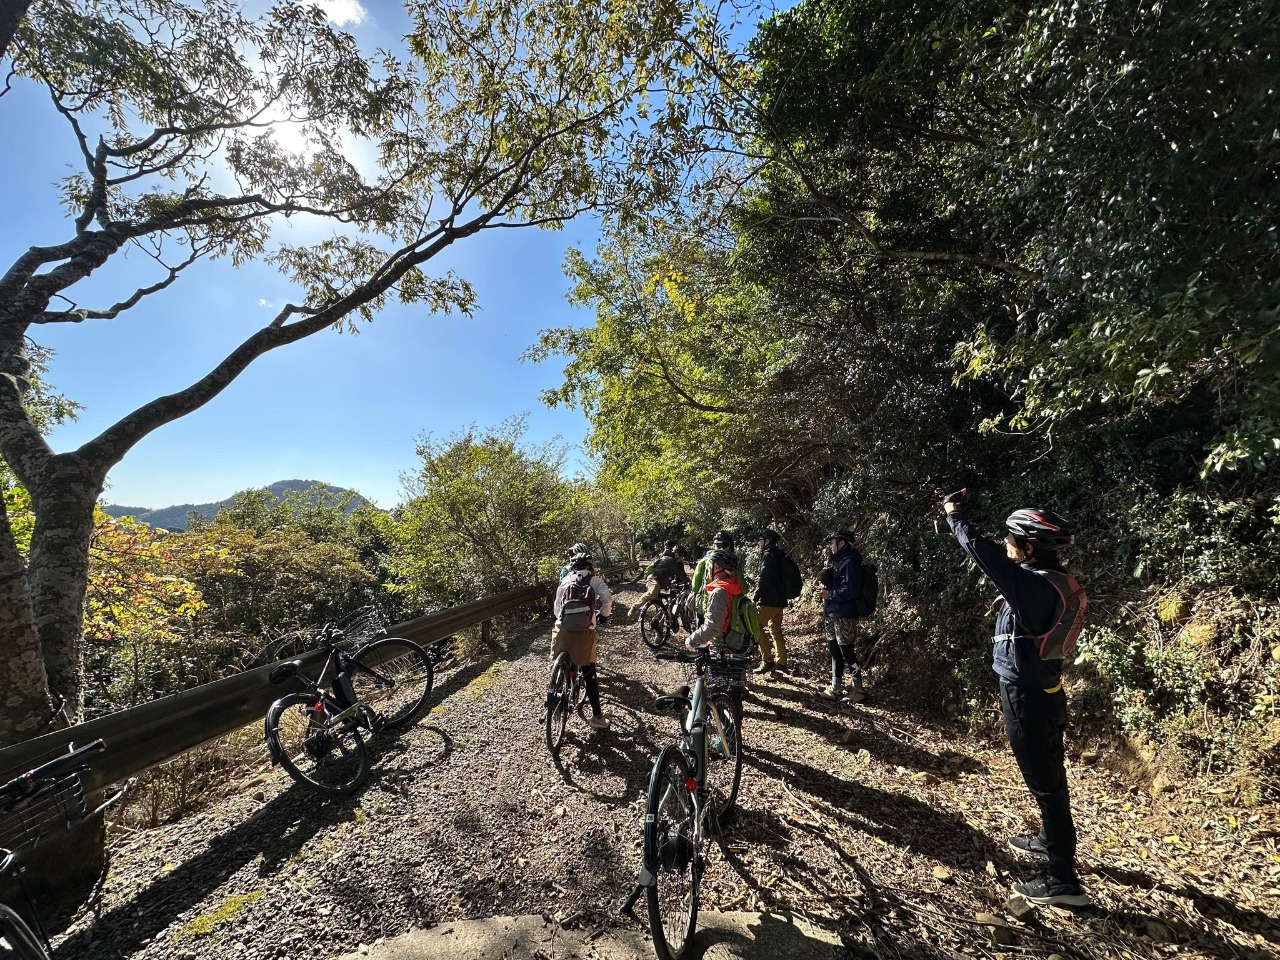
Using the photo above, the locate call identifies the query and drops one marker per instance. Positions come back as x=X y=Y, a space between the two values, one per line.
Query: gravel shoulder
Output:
x=861 y=820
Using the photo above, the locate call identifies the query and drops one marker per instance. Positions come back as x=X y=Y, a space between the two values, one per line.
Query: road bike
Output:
x=566 y=694
x=34 y=805
x=692 y=791
x=381 y=684
x=664 y=616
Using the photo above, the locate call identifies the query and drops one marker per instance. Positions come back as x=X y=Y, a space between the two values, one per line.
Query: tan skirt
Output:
x=580 y=644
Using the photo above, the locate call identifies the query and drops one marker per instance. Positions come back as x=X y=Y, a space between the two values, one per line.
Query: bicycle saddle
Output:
x=286 y=670
x=674 y=701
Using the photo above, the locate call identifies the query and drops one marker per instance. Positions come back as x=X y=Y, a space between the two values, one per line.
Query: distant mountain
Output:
x=175 y=517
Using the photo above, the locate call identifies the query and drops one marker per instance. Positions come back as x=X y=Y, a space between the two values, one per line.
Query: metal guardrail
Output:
x=148 y=734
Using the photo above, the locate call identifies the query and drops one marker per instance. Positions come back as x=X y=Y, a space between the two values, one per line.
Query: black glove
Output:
x=602 y=622
x=957 y=498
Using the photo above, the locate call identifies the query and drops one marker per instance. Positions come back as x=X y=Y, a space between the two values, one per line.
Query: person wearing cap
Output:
x=771 y=598
x=1032 y=700
x=838 y=585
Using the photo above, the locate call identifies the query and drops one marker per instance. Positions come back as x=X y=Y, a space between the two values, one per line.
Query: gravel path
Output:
x=864 y=820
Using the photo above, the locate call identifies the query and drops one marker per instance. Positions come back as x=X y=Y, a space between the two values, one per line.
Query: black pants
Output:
x=1035 y=721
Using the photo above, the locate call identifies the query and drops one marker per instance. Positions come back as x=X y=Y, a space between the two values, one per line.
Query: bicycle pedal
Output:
x=736 y=848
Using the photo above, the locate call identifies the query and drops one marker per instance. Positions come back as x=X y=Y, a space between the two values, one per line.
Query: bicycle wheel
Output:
x=724 y=752
x=394 y=677
x=654 y=625
x=328 y=759
x=558 y=705
x=20 y=939
x=671 y=854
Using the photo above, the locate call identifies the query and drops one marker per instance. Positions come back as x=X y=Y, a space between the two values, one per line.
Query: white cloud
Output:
x=342 y=12
x=265 y=303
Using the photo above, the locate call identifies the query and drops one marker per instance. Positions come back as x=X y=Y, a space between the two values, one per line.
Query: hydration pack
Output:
x=1060 y=641
x=579 y=601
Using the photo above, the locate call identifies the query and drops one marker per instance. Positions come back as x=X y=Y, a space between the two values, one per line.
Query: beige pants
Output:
x=580 y=644
x=771 y=639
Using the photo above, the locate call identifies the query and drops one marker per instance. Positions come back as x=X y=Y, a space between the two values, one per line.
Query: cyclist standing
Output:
x=723 y=586
x=583 y=605
x=723 y=540
x=771 y=598
x=1032 y=701
x=838 y=585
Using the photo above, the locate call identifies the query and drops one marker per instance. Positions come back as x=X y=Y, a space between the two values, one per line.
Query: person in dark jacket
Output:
x=838 y=585
x=771 y=598
x=1031 y=696
x=664 y=573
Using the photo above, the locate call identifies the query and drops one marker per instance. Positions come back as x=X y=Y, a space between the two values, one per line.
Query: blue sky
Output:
x=339 y=408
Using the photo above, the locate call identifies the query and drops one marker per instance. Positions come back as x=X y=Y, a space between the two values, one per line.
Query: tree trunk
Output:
x=58 y=572
x=11 y=14
x=24 y=689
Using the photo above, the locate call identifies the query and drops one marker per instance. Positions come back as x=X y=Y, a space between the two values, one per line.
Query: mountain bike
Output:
x=692 y=790
x=566 y=694
x=667 y=614
x=33 y=805
x=382 y=684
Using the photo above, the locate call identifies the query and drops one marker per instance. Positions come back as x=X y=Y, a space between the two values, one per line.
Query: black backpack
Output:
x=868 y=591
x=792 y=581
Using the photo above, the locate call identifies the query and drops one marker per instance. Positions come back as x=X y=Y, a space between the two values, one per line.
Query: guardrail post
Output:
x=486 y=632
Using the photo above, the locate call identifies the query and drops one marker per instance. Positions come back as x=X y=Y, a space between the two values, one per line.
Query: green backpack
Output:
x=743 y=637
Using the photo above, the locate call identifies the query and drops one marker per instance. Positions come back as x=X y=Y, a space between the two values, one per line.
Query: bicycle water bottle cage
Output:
x=286 y=671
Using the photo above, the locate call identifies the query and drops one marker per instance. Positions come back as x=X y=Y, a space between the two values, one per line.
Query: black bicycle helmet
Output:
x=771 y=535
x=582 y=561
x=670 y=546
x=844 y=535
x=723 y=538
x=579 y=550
x=1044 y=528
x=723 y=558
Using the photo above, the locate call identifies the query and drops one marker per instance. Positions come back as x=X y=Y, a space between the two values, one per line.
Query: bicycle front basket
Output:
x=363 y=624
x=58 y=806
x=722 y=676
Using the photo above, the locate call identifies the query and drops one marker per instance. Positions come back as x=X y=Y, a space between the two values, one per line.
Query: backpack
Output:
x=868 y=590
x=792 y=581
x=579 y=601
x=743 y=636
x=1060 y=641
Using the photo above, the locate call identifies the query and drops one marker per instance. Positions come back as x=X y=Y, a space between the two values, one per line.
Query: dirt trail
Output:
x=864 y=820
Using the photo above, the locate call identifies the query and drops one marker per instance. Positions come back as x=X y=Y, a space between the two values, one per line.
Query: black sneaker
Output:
x=1049 y=890
x=1031 y=844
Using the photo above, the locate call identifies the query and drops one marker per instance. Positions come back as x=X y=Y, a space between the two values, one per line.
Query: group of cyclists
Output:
x=1041 y=612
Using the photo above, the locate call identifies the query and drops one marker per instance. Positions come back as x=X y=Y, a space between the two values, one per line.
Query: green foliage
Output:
x=485 y=512
x=1022 y=249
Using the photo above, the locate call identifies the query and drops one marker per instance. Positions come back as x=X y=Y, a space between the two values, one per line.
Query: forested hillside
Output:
x=176 y=517
x=1023 y=249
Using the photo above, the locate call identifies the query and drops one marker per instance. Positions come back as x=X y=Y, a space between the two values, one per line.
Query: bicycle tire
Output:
x=671 y=854
x=558 y=705
x=22 y=940
x=724 y=759
x=394 y=676
x=307 y=752
x=655 y=626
